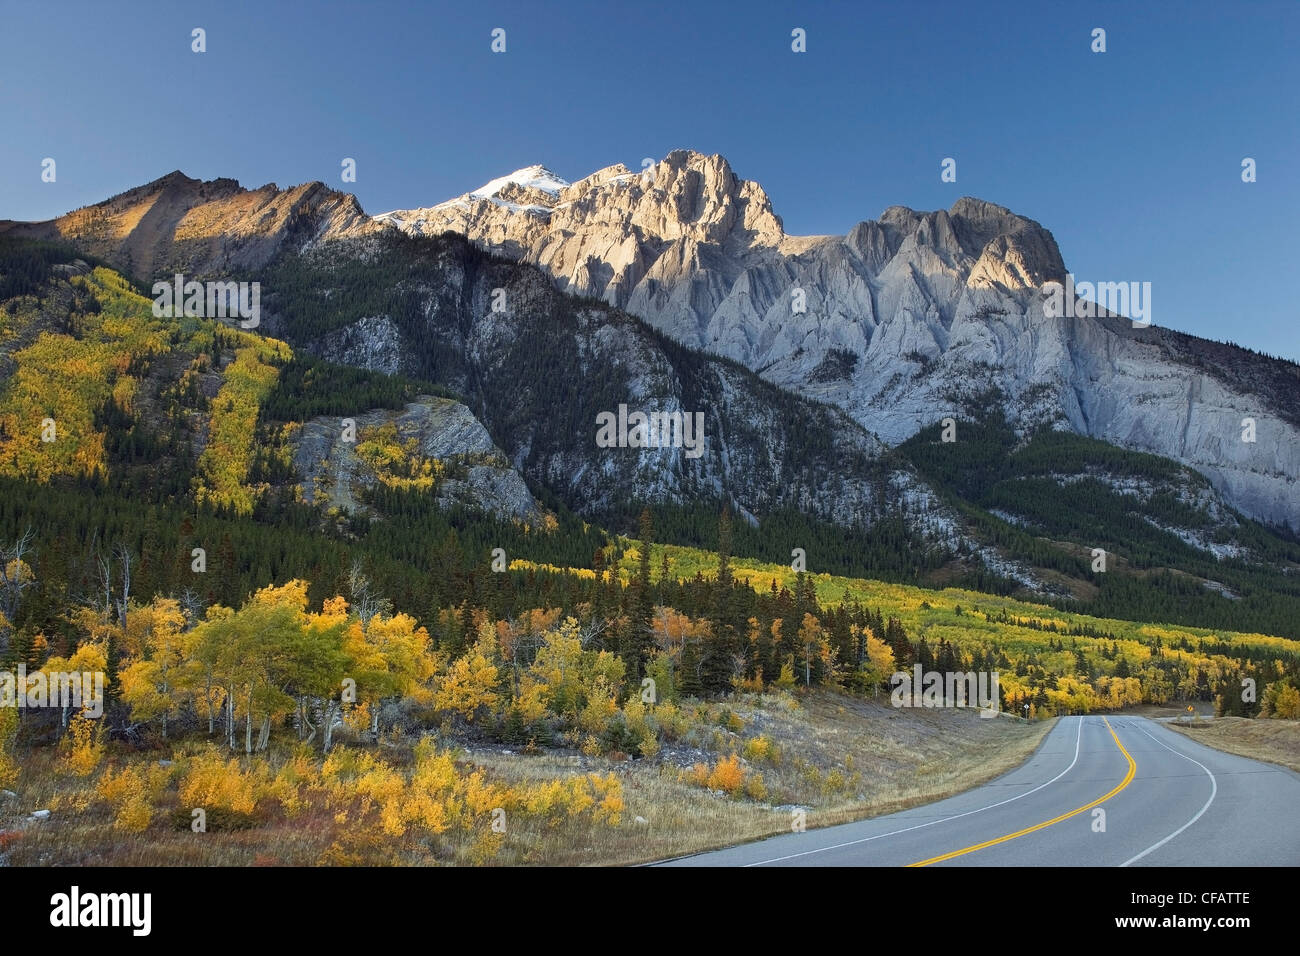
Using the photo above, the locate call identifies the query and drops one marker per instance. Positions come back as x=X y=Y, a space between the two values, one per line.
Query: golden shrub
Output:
x=727 y=775
x=211 y=781
x=84 y=745
x=134 y=815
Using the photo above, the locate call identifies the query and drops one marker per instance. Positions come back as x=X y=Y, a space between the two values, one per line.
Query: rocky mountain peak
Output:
x=898 y=322
x=202 y=228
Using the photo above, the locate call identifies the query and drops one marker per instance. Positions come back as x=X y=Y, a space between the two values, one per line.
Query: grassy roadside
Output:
x=837 y=757
x=1273 y=741
x=737 y=776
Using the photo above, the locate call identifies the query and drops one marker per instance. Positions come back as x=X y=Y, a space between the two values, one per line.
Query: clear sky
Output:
x=1132 y=157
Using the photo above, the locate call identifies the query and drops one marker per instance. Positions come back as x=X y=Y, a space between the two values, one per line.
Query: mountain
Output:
x=532 y=190
x=201 y=229
x=406 y=322
x=996 y=509
x=541 y=369
x=905 y=320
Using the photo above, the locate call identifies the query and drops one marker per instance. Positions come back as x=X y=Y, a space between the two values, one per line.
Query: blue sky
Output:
x=1132 y=157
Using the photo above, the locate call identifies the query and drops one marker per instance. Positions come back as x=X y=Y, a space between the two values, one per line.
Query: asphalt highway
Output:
x=1099 y=791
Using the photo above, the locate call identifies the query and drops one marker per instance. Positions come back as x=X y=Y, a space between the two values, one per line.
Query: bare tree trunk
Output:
x=330 y=712
x=230 y=717
x=124 y=558
x=306 y=716
x=106 y=581
x=207 y=695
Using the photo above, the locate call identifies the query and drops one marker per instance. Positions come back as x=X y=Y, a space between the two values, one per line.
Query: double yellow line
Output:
x=1128 y=778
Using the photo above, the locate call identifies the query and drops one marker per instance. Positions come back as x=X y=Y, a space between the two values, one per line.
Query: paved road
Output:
x=1167 y=800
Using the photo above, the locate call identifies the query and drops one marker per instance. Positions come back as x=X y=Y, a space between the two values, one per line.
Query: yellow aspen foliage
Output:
x=211 y=781
x=295 y=775
x=1288 y=703
x=84 y=745
x=1280 y=700
x=482 y=797
x=435 y=770
x=578 y=797
x=608 y=793
x=638 y=721
x=530 y=702
x=358 y=718
x=544 y=797
x=392 y=818
x=224 y=463
x=880 y=656
x=8 y=731
x=469 y=685
x=785 y=680
x=116 y=786
x=397 y=463
x=727 y=775
x=121 y=786
x=134 y=815
x=380 y=783
x=485 y=847
x=601 y=707
x=427 y=812
x=556 y=672
x=672 y=721
x=761 y=748
x=155 y=686
x=389 y=657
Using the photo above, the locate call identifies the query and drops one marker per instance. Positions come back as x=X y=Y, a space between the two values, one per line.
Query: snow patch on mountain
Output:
x=530 y=177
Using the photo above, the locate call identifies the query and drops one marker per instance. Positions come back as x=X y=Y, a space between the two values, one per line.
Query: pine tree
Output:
x=644 y=596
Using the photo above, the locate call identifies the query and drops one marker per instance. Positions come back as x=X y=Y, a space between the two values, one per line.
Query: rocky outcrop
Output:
x=903 y=321
x=476 y=473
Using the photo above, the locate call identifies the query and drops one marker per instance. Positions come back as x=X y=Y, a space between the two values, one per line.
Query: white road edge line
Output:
x=920 y=826
x=1214 y=789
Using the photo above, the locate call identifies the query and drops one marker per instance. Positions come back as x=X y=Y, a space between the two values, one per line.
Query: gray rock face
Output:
x=903 y=321
x=372 y=342
x=479 y=475
x=544 y=372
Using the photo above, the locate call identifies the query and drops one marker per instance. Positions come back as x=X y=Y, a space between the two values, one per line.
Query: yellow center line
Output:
x=1132 y=769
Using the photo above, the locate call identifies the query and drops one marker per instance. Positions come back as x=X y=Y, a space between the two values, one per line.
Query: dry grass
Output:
x=839 y=757
x=1274 y=741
